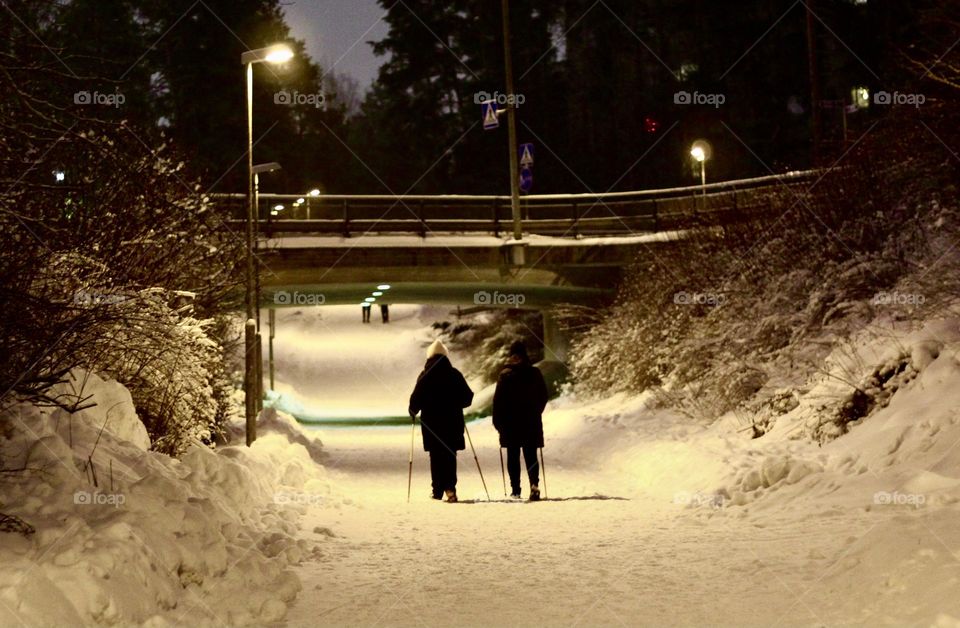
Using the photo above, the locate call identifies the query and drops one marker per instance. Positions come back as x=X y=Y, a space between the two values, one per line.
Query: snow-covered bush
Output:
x=737 y=315
x=485 y=338
x=118 y=263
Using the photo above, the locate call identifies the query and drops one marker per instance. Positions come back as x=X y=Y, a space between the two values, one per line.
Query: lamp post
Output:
x=258 y=342
x=517 y=250
x=273 y=54
x=701 y=152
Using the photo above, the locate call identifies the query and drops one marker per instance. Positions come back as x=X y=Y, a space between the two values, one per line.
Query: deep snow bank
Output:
x=127 y=536
x=887 y=482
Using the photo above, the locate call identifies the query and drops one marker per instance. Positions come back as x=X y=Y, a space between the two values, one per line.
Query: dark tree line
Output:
x=600 y=82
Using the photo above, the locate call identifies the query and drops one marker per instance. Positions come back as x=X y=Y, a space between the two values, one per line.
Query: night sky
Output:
x=336 y=33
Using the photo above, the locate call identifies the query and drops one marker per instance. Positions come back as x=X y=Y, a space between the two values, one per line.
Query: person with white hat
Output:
x=440 y=395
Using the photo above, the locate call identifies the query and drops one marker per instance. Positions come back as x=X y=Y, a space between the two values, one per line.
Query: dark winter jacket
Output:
x=440 y=396
x=518 y=405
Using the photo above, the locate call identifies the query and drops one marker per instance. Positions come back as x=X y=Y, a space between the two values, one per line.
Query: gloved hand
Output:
x=413 y=418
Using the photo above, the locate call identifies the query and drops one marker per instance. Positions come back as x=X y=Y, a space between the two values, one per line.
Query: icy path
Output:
x=579 y=562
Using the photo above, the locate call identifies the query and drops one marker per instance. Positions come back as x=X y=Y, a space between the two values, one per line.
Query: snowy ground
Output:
x=653 y=520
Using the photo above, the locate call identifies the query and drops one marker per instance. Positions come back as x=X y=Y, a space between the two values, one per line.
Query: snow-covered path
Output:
x=861 y=531
x=582 y=561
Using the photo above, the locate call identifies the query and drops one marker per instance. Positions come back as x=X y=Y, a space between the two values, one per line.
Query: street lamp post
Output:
x=699 y=156
x=517 y=248
x=272 y=54
x=701 y=152
x=258 y=342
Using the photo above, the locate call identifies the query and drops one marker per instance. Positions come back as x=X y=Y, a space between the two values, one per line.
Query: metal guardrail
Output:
x=544 y=214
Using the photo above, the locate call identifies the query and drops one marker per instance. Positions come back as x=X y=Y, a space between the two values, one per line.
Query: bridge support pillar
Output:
x=515 y=253
x=556 y=345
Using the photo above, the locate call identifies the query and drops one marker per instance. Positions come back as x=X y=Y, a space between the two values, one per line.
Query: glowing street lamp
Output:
x=279 y=53
x=700 y=151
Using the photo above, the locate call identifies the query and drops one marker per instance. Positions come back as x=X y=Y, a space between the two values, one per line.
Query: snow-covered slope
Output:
x=125 y=536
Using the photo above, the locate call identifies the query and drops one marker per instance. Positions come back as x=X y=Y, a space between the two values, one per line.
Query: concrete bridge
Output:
x=451 y=249
x=578 y=240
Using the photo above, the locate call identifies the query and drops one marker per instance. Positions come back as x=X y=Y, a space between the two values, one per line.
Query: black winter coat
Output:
x=518 y=405
x=440 y=396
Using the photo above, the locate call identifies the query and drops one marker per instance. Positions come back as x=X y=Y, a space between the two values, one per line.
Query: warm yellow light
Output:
x=278 y=208
x=698 y=154
x=314 y=192
x=383 y=286
x=279 y=54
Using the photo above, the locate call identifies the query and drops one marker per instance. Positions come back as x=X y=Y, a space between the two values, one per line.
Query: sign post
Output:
x=511 y=129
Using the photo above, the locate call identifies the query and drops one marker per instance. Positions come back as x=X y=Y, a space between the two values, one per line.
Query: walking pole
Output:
x=502 y=472
x=543 y=469
x=477 y=460
x=413 y=432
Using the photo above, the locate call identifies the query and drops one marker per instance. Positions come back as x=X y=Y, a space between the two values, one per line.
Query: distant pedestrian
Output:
x=518 y=403
x=439 y=397
x=366 y=312
x=385 y=313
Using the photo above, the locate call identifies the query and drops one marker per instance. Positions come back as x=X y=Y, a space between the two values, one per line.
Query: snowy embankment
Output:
x=121 y=535
x=889 y=481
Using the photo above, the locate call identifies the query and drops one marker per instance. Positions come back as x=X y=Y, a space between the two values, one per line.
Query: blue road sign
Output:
x=526 y=180
x=488 y=111
x=526 y=155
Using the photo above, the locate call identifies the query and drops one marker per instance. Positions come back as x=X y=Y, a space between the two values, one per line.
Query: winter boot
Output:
x=515 y=493
x=451 y=497
x=437 y=496
x=534 y=493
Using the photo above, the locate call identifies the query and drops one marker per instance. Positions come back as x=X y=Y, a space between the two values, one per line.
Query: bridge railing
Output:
x=544 y=214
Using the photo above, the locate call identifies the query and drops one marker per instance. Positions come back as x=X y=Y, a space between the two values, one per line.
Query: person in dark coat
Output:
x=518 y=404
x=440 y=396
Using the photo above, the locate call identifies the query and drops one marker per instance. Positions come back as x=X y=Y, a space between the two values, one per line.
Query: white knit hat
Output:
x=436 y=348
